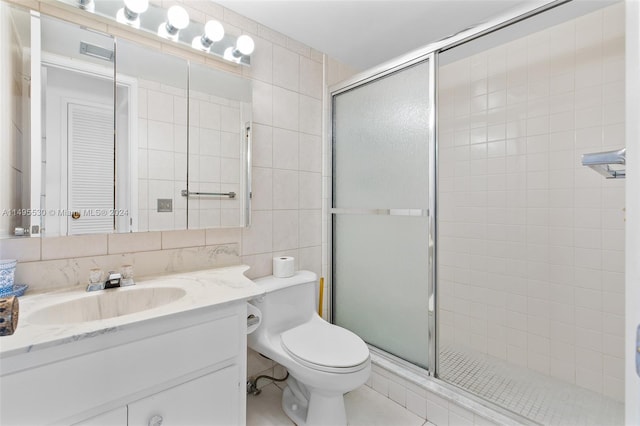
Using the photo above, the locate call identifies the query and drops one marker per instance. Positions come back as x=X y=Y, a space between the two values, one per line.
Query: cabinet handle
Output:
x=155 y=420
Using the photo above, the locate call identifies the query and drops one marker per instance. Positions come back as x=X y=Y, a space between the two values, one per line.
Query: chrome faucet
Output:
x=112 y=281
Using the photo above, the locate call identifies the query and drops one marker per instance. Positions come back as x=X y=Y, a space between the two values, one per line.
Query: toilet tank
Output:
x=288 y=301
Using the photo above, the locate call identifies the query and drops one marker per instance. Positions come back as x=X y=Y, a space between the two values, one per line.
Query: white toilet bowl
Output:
x=324 y=361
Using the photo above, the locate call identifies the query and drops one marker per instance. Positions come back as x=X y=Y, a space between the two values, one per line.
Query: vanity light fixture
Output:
x=130 y=13
x=177 y=19
x=213 y=32
x=172 y=24
x=244 y=47
x=87 y=5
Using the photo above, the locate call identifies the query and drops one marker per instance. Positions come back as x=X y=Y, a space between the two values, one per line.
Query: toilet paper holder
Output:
x=254 y=318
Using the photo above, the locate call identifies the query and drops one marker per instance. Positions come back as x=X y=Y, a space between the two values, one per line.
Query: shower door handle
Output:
x=638 y=350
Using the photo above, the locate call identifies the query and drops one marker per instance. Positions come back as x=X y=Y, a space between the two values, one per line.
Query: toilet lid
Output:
x=325 y=345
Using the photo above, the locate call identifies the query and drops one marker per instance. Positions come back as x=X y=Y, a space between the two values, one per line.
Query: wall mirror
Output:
x=117 y=137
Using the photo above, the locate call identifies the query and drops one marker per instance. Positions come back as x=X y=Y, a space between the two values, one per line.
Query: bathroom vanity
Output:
x=170 y=350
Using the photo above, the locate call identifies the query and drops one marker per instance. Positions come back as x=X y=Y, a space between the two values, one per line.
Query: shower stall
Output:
x=469 y=243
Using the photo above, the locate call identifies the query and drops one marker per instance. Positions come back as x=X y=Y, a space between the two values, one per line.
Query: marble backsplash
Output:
x=50 y=264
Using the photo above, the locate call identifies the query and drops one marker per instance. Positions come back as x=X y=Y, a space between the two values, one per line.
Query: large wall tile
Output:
x=130 y=243
x=259 y=237
x=21 y=249
x=285 y=109
x=75 y=246
x=285 y=189
x=285 y=68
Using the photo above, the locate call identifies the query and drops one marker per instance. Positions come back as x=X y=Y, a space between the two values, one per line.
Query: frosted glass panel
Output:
x=380 y=282
x=381 y=138
x=380 y=262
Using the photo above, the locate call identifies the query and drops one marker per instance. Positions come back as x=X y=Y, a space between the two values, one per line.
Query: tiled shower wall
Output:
x=530 y=259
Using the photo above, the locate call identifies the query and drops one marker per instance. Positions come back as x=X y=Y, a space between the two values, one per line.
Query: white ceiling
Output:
x=364 y=33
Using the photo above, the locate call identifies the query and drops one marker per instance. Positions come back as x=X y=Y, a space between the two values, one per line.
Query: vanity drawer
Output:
x=203 y=401
x=118 y=373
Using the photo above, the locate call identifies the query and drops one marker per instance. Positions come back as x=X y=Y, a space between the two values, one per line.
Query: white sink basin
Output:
x=105 y=304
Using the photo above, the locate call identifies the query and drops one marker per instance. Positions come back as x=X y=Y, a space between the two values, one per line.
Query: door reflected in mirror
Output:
x=80 y=180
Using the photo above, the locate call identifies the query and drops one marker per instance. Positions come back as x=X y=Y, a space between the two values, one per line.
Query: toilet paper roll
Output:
x=254 y=318
x=283 y=266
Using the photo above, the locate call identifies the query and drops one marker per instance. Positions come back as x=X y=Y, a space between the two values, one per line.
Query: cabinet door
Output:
x=117 y=417
x=208 y=400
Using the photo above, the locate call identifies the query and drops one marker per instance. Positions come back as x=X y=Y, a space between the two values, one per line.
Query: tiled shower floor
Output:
x=533 y=395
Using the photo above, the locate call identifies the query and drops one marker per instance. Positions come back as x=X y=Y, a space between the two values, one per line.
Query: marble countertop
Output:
x=202 y=289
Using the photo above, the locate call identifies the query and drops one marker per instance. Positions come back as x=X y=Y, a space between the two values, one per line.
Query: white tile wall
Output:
x=530 y=242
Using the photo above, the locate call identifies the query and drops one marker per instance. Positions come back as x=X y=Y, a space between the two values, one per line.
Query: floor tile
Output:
x=365 y=407
x=265 y=409
x=541 y=398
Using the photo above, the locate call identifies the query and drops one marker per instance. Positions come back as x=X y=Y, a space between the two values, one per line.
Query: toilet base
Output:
x=320 y=410
x=294 y=408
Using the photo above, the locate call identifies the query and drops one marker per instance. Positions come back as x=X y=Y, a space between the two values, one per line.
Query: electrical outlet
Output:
x=165 y=205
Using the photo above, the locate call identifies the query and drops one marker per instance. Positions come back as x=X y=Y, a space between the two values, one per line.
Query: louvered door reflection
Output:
x=91 y=169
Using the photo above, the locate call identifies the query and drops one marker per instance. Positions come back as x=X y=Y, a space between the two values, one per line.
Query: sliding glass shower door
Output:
x=380 y=215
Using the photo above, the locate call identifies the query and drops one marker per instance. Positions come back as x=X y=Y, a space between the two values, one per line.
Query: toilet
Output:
x=324 y=361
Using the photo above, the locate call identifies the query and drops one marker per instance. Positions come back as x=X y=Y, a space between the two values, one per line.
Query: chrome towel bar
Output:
x=186 y=193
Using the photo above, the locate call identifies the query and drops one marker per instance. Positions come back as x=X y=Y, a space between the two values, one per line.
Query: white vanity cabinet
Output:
x=203 y=401
x=187 y=368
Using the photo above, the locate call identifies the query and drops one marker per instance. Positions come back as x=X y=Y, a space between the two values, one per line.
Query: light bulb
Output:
x=177 y=19
x=130 y=13
x=213 y=31
x=137 y=6
x=245 y=45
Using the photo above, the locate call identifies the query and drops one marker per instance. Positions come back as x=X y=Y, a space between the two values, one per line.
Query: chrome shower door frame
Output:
x=376 y=74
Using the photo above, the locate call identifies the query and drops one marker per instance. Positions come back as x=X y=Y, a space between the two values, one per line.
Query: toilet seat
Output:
x=326 y=347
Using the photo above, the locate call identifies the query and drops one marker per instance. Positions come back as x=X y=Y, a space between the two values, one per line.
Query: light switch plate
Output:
x=165 y=205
